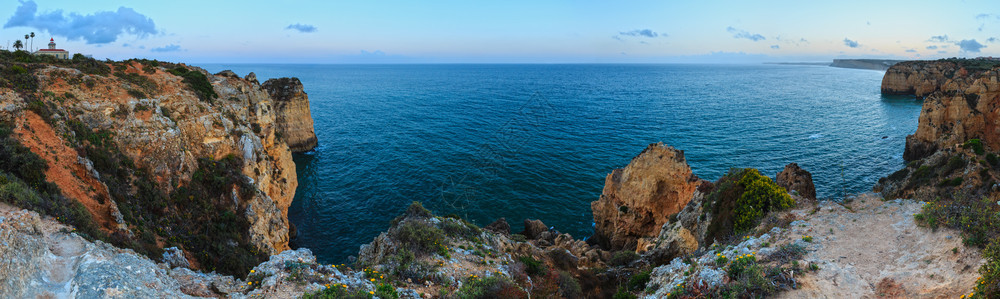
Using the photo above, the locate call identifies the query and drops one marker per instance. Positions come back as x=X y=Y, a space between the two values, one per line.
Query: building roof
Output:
x=52 y=50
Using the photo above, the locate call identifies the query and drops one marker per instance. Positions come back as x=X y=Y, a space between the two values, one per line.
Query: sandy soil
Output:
x=64 y=169
x=872 y=248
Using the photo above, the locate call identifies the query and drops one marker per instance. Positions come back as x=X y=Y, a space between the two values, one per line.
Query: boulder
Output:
x=499 y=226
x=174 y=257
x=533 y=229
x=639 y=199
x=794 y=178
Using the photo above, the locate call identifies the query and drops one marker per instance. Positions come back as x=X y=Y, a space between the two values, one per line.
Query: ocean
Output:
x=536 y=141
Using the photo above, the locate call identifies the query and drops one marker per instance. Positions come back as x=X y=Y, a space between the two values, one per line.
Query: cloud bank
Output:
x=101 y=27
x=737 y=33
x=851 y=43
x=167 y=48
x=641 y=33
x=970 y=45
x=304 y=28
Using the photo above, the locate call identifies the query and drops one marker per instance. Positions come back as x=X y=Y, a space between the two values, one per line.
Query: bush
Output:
x=532 y=266
x=198 y=83
x=740 y=199
x=951 y=182
x=623 y=258
x=489 y=288
x=992 y=159
x=623 y=294
x=421 y=237
x=978 y=220
x=338 y=291
x=638 y=281
x=568 y=286
x=976 y=145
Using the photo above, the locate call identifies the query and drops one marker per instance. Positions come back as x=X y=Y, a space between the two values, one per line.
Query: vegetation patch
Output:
x=198 y=83
x=978 y=218
x=741 y=198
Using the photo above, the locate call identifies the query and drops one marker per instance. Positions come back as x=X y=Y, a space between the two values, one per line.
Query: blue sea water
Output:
x=536 y=141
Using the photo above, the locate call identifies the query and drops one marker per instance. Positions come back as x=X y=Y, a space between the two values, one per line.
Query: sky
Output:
x=511 y=31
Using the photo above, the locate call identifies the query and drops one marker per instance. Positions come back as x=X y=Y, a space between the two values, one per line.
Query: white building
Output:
x=60 y=53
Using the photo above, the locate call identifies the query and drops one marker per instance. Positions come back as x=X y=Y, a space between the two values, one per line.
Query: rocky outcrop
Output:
x=499 y=226
x=168 y=130
x=42 y=258
x=962 y=102
x=294 y=121
x=794 y=178
x=638 y=199
x=918 y=78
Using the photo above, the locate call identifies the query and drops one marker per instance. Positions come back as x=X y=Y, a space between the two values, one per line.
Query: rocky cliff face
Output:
x=172 y=142
x=919 y=78
x=638 y=199
x=962 y=102
x=294 y=121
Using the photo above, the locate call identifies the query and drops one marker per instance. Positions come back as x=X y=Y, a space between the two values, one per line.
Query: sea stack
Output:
x=294 y=121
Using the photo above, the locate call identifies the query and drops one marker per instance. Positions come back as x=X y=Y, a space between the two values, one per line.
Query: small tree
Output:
x=32 y=41
x=18 y=45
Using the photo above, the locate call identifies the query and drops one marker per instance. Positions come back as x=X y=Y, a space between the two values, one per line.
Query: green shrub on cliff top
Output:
x=197 y=82
x=740 y=199
x=760 y=196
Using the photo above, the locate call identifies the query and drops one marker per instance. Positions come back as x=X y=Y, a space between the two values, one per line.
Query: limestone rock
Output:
x=637 y=200
x=174 y=257
x=291 y=103
x=794 y=178
x=499 y=226
x=533 y=229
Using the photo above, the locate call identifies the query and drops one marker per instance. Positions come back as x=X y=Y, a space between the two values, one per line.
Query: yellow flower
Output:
x=371 y=292
x=252 y=271
x=249 y=282
x=373 y=279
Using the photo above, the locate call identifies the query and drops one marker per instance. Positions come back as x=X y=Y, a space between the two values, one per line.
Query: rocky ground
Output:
x=865 y=249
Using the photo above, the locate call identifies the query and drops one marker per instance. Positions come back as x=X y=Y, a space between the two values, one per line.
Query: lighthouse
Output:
x=53 y=51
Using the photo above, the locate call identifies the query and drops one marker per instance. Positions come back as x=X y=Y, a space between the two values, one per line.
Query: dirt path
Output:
x=872 y=248
x=65 y=169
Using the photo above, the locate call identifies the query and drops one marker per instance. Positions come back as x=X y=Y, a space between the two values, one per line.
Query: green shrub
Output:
x=532 y=266
x=976 y=145
x=623 y=294
x=760 y=196
x=338 y=291
x=978 y=220
x=623 y=258
x=955 y=162
x=992 y=159
x=568 y=286
x=489 y=288
x=421 y=237
x=638 y=281
x=951 y=182
x=386 y=291
x=198 y=83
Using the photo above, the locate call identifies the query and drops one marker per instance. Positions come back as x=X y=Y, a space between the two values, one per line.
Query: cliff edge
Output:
x=294 y=121
x=158 y=154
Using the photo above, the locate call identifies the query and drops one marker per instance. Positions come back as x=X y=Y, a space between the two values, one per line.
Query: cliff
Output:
x=865 y=64
x=160 y=154
x=961 y=99
x=294 y=121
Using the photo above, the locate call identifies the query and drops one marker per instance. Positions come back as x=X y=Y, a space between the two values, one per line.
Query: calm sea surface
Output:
x=536 y=141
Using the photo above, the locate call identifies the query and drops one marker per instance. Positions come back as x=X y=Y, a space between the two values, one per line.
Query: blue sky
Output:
x=508 y=31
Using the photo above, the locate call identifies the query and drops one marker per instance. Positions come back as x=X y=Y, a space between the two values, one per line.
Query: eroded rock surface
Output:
x=638 y=199
x=294 y=121
x=794 y=178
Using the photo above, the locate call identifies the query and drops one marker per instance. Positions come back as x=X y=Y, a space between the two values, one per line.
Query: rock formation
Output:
x=169 y=132
x=918 y=78
x=638 y=199
x=961 y=104
x=794 y=178
x=291 y=105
